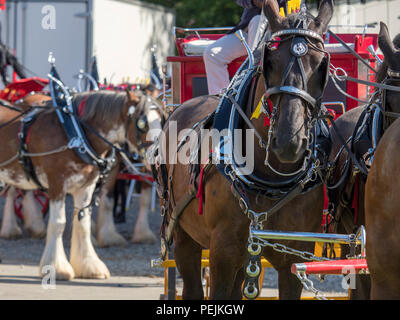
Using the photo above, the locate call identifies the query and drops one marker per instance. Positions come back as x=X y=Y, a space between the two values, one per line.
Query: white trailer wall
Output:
x=119 y=32
x=124 y=32
x=372 y=11
x=25 y=29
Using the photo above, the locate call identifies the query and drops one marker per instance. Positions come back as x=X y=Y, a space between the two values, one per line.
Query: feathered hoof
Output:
x=144 y=237
x=36 y=231
x=110 y=239
x=11 y=233
x=91 y=268
x=62 y=271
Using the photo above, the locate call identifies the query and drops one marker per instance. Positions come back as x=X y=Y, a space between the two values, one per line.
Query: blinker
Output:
x=131 y=110
x=299 y=47
x=141 y=123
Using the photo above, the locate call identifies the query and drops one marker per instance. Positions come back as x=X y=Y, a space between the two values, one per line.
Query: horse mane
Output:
x=101 y=105
x=382 y=70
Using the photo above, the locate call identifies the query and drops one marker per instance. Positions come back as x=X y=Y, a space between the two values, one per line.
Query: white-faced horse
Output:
x=47 y=159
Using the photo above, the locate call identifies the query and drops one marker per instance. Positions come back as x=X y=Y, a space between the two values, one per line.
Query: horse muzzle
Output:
x=289 y=151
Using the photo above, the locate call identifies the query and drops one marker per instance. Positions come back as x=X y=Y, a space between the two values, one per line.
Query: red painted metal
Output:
x=332 y=267
x=20 y=88
x=2 y=4
x=191 y=67
x=130 y=176
x=13 y=92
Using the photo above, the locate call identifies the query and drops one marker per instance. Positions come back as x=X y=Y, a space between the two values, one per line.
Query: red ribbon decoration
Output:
x=200 y=191
x=267 y=120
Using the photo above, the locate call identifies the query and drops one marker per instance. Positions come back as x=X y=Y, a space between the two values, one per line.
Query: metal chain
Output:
x=309 y=286
x=307 y=283
x=284 y=249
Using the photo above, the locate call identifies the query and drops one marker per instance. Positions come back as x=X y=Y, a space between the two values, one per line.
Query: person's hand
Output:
x=258 y=3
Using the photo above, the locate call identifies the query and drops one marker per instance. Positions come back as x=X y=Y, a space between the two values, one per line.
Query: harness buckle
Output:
x=75 y=142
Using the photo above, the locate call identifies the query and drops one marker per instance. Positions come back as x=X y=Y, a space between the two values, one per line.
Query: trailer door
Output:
x=50 y=26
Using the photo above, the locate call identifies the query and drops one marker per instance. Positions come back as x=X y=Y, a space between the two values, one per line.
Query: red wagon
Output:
x=189 y=75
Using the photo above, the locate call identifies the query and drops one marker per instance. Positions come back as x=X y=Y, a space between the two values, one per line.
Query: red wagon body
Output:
x=189 y=75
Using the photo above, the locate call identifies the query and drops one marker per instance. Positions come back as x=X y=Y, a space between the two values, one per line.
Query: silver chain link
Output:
x=309 y=286
x=284 y=249
x=307 y=283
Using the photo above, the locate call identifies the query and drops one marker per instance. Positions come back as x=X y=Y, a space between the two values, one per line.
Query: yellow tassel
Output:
x=289 y=7
x=282 y=12
x=257 y=112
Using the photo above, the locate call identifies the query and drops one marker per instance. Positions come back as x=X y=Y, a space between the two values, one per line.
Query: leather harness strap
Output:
x=23 y=140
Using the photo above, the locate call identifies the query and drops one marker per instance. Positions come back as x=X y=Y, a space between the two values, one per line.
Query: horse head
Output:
x=144 y=121
x=295 y=67
x=389 y=73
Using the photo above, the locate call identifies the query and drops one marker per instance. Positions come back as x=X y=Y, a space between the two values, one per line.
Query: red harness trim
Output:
x=82 y=106
x=274 y=43
x=200 y=191
x=130 y=176
x=28 y=135
x=267 y=120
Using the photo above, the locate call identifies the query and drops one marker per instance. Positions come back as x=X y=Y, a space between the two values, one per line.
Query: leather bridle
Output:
x=391 y=76
x=300 y=45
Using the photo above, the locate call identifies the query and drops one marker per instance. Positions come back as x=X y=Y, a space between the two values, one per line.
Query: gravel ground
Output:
x=131 y=260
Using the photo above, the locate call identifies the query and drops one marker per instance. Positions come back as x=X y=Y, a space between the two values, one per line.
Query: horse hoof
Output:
x=144 y=238
x=91 y=268
x=37 y=233
x=12 y=233
x=64 y=272
x=111 y=240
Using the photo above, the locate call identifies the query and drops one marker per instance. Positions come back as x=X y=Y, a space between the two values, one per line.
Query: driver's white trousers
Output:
x=218 y=55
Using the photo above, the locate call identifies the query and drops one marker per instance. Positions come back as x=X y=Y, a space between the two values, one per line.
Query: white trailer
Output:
x=119 y=32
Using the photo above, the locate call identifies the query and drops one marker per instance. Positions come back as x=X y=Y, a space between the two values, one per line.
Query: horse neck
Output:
x=113 y=130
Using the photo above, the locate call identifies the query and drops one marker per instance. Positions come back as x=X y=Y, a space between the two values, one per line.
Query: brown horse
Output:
x=60 y=170
x=382 y=205
x=33 y=219
x=348 y=205
x=223 y=227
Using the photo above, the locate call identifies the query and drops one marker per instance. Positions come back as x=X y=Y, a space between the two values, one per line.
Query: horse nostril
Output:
x=304 y=143
x=274 y=144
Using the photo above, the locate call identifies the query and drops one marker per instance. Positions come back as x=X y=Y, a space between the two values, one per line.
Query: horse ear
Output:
x=385 y=43
x=132 y=97
x=271 y=11
x=325 y=14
